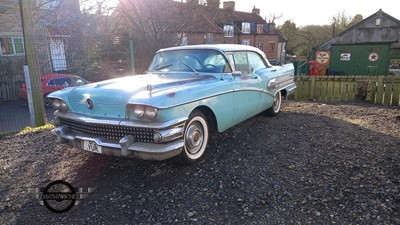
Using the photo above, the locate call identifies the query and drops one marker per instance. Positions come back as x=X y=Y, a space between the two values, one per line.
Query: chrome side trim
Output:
x=206 y=97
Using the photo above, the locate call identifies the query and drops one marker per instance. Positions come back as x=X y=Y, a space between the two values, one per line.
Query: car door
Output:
x=265 y=74
x=246 y=87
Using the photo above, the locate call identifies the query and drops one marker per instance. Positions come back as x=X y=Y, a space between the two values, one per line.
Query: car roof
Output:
x=218 y=47
x=57 y=75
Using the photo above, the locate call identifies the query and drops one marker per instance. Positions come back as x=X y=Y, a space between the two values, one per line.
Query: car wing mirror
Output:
x=65 y=85
x=237 y=73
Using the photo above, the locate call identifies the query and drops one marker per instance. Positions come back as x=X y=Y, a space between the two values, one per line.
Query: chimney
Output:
x=256 y=10
x=229 y=5
x=213 y=3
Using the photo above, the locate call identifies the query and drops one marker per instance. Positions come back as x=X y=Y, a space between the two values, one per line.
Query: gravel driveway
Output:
x=313 y=163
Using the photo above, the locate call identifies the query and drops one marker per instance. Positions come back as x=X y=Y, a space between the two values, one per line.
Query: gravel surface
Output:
x=313 y=163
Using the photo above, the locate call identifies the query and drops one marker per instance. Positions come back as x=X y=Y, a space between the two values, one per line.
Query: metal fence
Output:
x=14 y=113
x=59 y=56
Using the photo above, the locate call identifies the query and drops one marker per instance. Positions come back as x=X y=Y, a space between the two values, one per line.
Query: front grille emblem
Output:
x=89 y=103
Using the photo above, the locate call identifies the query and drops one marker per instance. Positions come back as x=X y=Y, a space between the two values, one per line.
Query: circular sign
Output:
x=59 y=196
x=373 y=57
x=323 y=57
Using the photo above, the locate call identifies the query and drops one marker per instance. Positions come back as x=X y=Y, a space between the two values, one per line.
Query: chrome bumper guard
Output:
x=126 y=146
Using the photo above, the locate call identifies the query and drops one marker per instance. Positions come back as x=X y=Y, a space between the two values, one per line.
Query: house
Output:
x=371 y=47
x=216 y=25
x=164 y=23
x=49 y=37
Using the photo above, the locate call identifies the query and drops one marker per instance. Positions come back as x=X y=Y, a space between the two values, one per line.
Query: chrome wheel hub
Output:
x=194 y=138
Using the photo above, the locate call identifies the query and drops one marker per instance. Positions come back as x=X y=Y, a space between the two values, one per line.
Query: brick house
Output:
x=210 y=24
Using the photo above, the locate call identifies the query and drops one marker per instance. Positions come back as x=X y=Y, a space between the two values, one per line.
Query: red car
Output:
x=54 y=82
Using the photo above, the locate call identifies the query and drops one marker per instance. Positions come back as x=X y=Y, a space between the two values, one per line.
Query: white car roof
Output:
x=218 y=47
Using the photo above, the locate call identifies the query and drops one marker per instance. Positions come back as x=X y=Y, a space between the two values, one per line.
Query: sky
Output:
x=318 y=12
x=308 y=12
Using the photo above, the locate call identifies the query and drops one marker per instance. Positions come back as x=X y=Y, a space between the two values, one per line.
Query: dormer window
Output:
x=228 y=30
x=260 y=28
x=246 y=28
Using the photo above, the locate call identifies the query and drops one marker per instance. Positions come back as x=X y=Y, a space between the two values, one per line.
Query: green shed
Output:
x=370 y=59
x=370 y=47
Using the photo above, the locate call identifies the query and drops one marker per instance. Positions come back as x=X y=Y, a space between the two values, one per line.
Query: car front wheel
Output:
x=195 y=138
x=276 y=106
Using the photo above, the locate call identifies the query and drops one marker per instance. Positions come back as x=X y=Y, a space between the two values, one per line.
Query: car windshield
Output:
x=190 y=60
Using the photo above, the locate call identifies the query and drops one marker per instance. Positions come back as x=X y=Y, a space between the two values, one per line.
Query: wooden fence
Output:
x=377 y=89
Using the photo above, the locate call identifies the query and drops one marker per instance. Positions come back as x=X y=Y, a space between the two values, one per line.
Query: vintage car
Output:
x=187 y=93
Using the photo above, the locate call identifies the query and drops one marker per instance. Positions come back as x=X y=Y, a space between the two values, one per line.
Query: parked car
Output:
x=54 y=82
x=187 y=93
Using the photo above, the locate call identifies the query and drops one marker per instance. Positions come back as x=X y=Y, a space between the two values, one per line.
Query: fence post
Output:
x=380 y=90
x=312 y=88
x=32 y=59
x=29 y=95
x=132 y=57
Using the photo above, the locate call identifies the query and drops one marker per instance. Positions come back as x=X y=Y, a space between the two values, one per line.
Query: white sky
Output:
x=309 y=12
x=317 y=12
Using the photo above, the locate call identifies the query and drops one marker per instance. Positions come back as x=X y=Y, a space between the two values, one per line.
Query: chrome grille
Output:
x=112 y=132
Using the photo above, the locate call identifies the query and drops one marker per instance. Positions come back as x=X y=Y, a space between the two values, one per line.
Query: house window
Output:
x=209 y=39
x=182 y=39
x=271 y=47
x=246 y=28
x=260 y=28
x=246 y=42
x=12 y=46
x=58 y=58
x=260 y=46
x=228 y=30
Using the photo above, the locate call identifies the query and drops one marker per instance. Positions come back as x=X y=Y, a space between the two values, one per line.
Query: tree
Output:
x=290 y=32
x=341 y=21
x=356 y=19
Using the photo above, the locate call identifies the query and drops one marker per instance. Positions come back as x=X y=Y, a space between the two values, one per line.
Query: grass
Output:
x=34 y=129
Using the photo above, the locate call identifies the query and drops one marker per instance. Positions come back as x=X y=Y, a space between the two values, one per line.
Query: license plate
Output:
x=91 y=146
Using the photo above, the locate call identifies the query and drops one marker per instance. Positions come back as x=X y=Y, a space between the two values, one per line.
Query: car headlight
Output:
x=138 y=110
x=150 y=112
x=59 y=104
x=141 y=112
x=63 y=106
x=56 y=103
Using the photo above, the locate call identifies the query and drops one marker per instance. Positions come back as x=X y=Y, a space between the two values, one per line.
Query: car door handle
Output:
x=254 y=77
x=273 y=70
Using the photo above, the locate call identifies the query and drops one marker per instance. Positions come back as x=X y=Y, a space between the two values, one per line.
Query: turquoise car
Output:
x=188 y=93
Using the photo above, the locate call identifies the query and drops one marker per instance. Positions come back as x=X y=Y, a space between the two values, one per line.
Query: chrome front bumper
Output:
x=127 y=146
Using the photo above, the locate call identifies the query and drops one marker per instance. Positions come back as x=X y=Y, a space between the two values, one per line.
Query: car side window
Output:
x=256 y=62
x=241 y=62
x=51 y=82
x=61 y=81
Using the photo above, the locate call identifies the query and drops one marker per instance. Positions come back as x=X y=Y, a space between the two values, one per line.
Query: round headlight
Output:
x=56 y=103
x=150 y=112
x=157 y=137
x=63 y=106
x=139 y=111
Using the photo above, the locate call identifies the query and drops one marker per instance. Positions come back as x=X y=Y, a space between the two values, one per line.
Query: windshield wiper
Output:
x=163 y=67
x=197 y=73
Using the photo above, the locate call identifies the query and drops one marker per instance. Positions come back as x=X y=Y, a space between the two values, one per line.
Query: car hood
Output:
x=110 y=97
